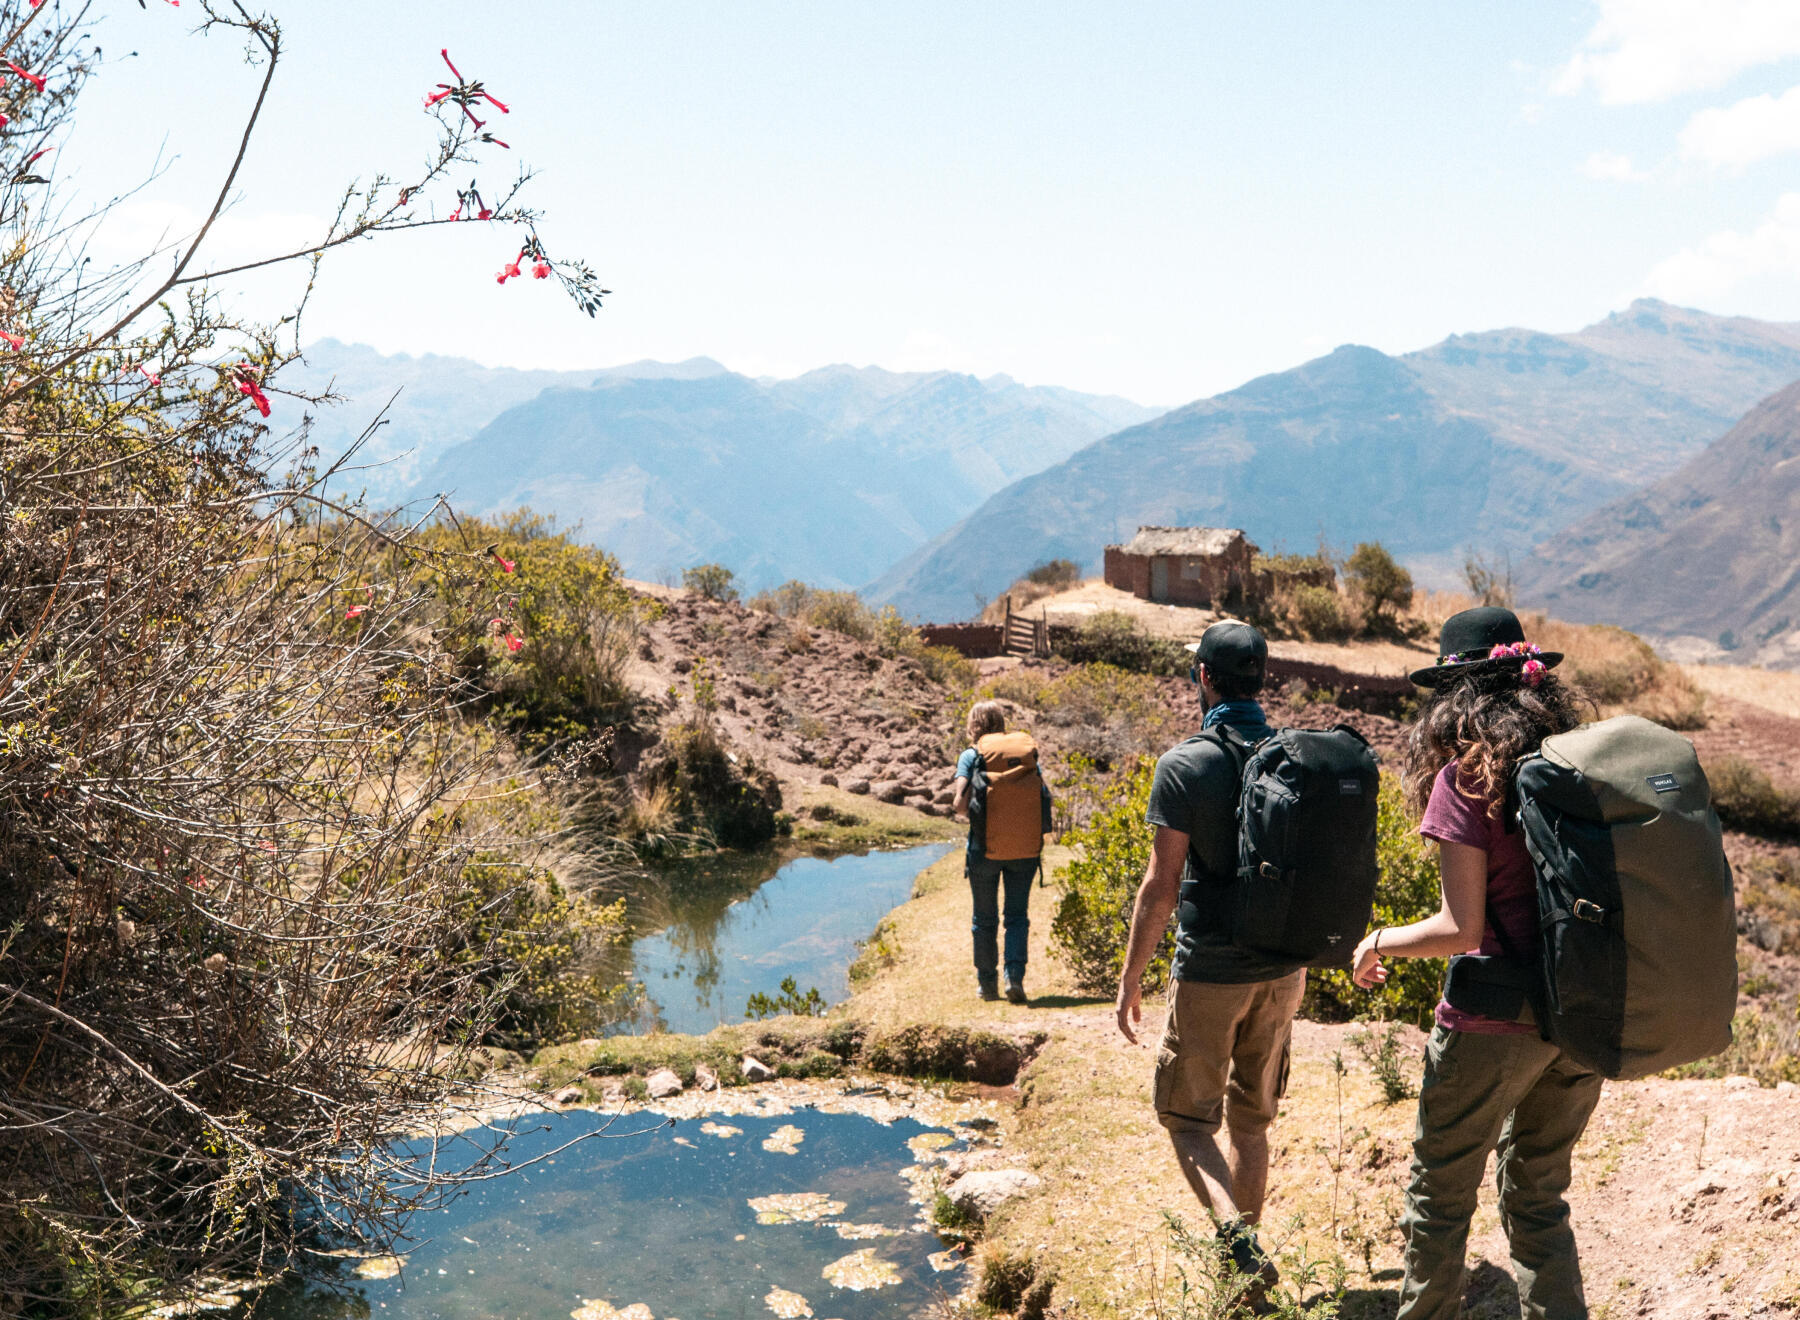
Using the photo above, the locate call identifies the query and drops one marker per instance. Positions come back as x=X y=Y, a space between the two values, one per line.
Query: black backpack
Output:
x=1306 y=875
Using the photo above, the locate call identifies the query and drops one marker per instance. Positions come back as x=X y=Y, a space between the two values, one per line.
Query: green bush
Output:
x=1384 y=587
x=1099 y=887
x=1112 y=637
x=1106 y=714
x=563 y=634
x=1056 y=573
x=710 y=581
x=1747 y=799
x=527 y=934
x=1409 y=889
x=1319 y=614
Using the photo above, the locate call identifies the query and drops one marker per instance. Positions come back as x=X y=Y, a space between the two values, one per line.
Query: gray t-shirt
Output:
x=1196 y=791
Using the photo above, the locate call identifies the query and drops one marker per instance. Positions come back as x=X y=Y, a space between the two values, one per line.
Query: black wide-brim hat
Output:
x=1467 y=644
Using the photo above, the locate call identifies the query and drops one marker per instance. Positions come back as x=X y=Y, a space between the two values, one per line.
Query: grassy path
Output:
x=1686 y=1200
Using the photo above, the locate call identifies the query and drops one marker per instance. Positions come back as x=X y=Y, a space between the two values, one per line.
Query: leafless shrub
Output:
x=246 y=922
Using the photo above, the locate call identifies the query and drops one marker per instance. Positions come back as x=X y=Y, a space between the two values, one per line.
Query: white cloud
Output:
x=1650 y=50
x=1754 y=129
x=1728 y=260
x=1614 y=168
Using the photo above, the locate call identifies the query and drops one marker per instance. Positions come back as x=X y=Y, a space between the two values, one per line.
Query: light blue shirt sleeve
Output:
x=965 y=764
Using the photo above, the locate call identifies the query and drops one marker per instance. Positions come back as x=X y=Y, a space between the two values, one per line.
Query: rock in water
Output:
x=986 y=1190
x=756 y=1070
x=705 y=1078
x=662 y=1084
x=788 y=1305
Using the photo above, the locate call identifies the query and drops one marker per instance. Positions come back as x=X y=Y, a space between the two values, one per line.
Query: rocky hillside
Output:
x=818 y=708
x=1706 y=560
x=829 y=477
x=1493 y=440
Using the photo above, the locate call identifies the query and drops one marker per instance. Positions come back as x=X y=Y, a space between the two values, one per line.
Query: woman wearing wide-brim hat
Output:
x=1489 y=1084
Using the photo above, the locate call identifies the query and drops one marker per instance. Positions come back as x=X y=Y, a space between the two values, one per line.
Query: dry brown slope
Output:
x=1710 y=554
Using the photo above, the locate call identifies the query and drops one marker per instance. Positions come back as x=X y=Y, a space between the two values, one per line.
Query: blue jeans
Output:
x=984 y=885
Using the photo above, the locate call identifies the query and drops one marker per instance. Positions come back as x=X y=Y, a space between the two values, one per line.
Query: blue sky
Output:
x=1158 y=200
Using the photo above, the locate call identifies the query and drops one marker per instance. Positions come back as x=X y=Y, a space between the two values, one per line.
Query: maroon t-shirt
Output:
x=1452 y=816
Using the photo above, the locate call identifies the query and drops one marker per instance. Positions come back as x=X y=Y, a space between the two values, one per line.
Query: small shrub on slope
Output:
x=1747 y=799
x=1409 y=889
x=1112 y=637
x=1099 y=886
x=710 y=582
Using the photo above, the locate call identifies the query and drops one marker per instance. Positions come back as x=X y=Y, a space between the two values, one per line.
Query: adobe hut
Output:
x=1205 y=566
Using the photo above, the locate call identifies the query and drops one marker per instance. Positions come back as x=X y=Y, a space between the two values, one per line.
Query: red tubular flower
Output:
x=36 y=156
x=149 y=375
x=354 y=610
x=484 y=214
x=27 y=75
x=541 y=271
x=249 y=386
x=14 y=342
x=506 y=565
x=446 y=54
x=496 y=141
x=509 y=271
x=436 y=97
x=493 y=101
x=514 y=644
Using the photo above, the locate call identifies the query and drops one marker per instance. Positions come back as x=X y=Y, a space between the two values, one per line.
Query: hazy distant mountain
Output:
x=1707 y=560
x=830 y=477
x=441 y=402
x=1491 y=441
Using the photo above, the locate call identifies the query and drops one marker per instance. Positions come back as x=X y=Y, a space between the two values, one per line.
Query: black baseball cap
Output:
x=1233 y=648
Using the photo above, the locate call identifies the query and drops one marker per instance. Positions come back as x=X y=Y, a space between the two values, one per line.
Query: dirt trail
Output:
x=1686 y=1199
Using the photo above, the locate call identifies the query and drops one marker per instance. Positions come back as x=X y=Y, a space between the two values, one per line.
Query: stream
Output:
x=664 y=1221
x=733 y=925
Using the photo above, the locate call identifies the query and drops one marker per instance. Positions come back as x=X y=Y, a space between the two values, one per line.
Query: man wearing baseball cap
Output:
x=1223 y=1058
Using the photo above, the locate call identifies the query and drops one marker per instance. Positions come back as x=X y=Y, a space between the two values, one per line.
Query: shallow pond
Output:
x=735 y=925
x=665 y=1220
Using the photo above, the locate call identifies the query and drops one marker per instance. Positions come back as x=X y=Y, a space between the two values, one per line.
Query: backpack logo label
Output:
x=1349 y=787
x=1664 y=783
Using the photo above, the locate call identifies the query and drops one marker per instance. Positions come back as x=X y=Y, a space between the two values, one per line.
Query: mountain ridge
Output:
x=1489 y=441
x=829 y=476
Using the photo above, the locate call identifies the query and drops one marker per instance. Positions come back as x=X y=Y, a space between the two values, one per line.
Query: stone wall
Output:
x=974 y=640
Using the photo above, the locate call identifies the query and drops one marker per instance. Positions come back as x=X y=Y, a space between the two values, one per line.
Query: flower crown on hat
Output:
x=1533 y=670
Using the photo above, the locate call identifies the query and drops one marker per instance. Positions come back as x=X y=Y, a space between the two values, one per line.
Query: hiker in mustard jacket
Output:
x=999 y=787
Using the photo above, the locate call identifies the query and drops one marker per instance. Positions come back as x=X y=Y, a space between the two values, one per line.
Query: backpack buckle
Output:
x=1586 y=910
x=1269 y=870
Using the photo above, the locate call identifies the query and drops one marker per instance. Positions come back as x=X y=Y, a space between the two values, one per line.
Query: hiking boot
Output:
x=989 y=990
x=1015 y=992
x=1252 y=1265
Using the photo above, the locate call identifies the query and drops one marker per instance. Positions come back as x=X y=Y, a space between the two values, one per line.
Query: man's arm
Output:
x=1156 y=899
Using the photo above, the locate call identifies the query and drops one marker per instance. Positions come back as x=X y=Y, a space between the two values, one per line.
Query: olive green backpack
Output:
x=1638 y=937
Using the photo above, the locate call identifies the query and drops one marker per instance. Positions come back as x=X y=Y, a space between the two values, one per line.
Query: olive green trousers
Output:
x=1521 y=1096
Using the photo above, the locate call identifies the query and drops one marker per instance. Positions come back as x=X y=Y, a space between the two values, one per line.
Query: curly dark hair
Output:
x=1487 y=722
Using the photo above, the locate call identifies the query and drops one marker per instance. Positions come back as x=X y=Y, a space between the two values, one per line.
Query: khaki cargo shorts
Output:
x=1225 y=1053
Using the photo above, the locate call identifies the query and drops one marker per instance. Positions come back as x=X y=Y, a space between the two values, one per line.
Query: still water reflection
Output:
x=663 y=1220
x=734 y=925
